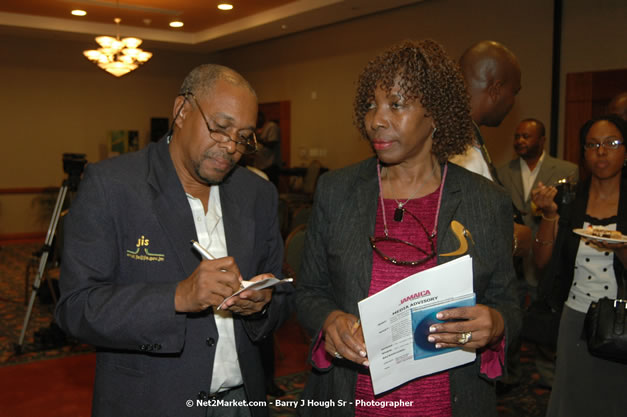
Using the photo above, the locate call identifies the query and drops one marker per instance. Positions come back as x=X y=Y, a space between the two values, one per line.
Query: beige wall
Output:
x=327 y=61
x=55 y=101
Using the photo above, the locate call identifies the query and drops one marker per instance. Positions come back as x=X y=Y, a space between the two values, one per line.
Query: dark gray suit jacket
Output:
x=551 y=170
x=119 y=296
x=337 y=266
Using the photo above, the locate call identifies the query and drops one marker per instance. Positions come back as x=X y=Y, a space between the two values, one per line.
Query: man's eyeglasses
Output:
x=245 y=141
x=610 y=143
x=384 y=245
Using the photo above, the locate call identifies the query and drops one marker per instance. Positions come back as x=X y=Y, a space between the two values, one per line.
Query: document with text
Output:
x=396 y=323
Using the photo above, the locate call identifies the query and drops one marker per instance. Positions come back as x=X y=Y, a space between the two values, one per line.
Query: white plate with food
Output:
x=602 y=234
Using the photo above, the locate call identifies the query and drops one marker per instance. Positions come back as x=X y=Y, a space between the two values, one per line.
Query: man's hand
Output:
x=208 y=285
x=250 y=301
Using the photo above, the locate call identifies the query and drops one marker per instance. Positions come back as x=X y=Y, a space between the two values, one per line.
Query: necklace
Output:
x=437 y=213
x=400 y=211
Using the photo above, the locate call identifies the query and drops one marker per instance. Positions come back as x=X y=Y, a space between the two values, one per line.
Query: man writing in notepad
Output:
x=133 y=286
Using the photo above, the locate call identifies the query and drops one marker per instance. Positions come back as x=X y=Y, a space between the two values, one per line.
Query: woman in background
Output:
x=583 y=270
x=412 y=107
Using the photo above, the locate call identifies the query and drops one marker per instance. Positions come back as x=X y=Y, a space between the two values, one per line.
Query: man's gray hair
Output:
x=201 y=79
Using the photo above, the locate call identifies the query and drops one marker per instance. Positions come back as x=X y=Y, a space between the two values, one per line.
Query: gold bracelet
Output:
x=544 y=242
x=552 y=219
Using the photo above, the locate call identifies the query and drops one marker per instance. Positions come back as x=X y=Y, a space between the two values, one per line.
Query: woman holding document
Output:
x=403 y=211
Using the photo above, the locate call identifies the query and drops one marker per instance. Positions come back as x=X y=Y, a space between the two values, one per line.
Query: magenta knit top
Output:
x=430 y=395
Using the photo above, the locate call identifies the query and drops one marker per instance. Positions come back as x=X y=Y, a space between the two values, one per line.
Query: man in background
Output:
x=493 y=79
x=132 y=285
x=492 y=75
x=522 y=174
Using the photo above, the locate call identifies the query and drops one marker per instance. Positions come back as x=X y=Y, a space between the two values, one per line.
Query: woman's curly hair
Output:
x=427 y=73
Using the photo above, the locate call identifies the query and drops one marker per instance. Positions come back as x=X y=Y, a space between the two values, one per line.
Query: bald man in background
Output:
x=492 y=75
x=493 y=79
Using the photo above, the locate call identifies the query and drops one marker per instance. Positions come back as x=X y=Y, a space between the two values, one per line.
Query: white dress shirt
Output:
x=473 y=161
x=210 y=231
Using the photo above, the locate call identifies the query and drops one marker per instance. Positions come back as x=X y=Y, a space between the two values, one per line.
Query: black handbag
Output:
x=605 y=326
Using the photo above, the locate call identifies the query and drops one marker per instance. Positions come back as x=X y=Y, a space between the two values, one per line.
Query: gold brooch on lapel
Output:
x=461 y=233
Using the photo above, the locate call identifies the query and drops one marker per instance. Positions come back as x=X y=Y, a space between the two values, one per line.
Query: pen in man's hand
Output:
x=202 y=251
x=206 y=255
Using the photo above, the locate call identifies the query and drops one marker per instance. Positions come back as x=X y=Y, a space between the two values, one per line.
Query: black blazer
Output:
x=337 y=265
x=127 y=245
x=558 y=276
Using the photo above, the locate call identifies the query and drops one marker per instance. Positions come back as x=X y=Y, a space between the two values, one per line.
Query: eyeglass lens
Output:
x=610 y=143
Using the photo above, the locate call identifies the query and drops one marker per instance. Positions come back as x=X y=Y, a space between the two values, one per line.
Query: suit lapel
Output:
x=546 y=172
x=451 y=199
x=519 y=192
x=171 y=207
x=366 y=202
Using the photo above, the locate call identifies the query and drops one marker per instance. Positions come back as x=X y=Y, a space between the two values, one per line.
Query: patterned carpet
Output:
x=525 y=400
x=528 y=399
x=293 y=386
x=14 y=260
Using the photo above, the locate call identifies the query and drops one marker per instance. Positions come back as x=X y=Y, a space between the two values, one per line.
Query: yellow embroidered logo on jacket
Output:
x=142 y=243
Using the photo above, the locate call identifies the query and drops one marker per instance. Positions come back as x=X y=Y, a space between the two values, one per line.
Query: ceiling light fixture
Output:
x=225 y=6
x=176 y=24
x=118 y=56
x=79 y=12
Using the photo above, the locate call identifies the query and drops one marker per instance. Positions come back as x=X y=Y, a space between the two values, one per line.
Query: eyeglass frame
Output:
x=223 y=137
x=612 y=144
x=387 y=238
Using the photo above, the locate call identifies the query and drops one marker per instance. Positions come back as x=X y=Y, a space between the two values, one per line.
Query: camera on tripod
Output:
x=73 y=166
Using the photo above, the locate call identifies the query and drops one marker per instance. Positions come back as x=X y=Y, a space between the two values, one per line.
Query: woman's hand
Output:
x=619 y=249
x=485 y=325
x=344 y=338
x=543 y=197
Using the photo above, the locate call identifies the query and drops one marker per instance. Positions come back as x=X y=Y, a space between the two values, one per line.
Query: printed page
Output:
x=396 y=320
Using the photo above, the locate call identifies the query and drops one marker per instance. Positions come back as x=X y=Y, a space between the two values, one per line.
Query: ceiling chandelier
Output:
x=118 y=56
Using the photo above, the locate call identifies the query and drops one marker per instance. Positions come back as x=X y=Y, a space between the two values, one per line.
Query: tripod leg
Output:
x=26 y=282
x=42 y=261
x=51 y=288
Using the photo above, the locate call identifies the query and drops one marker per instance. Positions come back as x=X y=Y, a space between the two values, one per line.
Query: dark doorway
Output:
x=588 y=95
